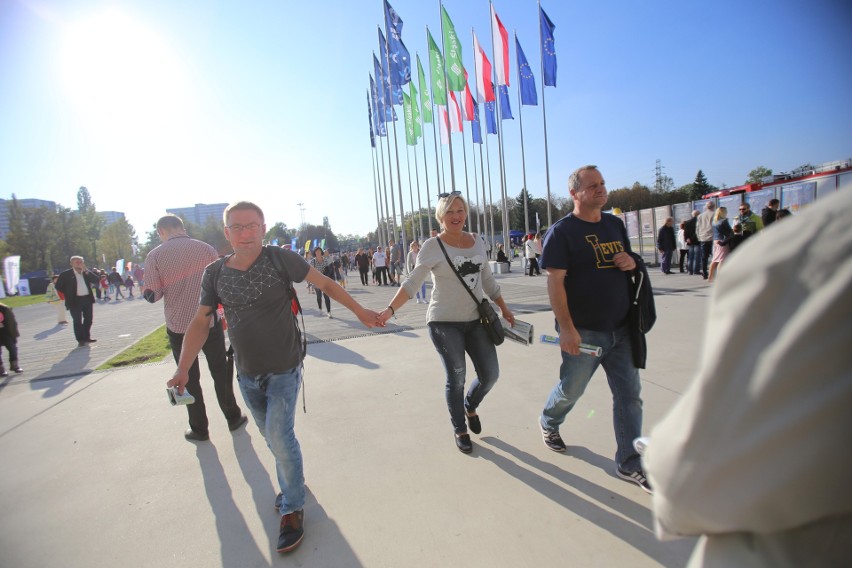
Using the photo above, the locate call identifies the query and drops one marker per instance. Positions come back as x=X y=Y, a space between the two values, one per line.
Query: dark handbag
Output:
x=487 y=315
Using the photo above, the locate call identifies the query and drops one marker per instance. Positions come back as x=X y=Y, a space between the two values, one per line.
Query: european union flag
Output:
x=548 y=49
x=400 y=59
x=490 y=119
x=526 y=78
x=505 y=109
x=475 y=130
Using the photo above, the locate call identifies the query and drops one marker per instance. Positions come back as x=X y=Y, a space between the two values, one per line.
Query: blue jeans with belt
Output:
x=452 y=340
x=272 y=399
x=623 y=377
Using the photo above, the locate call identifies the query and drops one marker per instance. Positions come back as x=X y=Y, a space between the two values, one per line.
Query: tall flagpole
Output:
x=425 y=162
x=544 y=117
x=523 y=155
x=499 y=116
x=373 y=162
x=476 y=72
x=475 y=179
x=390 y=164
x=466 y=184
x=447 y=93
x=419 y=202
x=383 y=100
x=410 y=190
x=396 y=151
x=490 y=194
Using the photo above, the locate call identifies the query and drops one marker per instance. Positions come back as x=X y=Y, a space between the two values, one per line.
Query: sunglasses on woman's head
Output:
x=450 y=194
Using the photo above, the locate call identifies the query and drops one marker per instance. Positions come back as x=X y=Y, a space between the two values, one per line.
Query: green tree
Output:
x=757 y=174
x=700 y=186
x=278 y=231
x=92 y=222
x=116 y=242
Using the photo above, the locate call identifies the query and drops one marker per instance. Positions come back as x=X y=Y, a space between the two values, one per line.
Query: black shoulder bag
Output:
x=487 y=316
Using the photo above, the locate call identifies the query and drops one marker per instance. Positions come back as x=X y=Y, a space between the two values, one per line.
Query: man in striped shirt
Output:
x=173 y=272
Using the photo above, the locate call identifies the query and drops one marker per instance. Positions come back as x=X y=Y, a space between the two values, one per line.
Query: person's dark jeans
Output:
x=364 y=272
x=683 y=254
x=11 y=344
x=214 y=352
x=81 y=314
x=320 y=295
x=667 y=261
x=533 y=265
x=706 y=253
x=695 y=256
x=382 y=275
x=452 y=340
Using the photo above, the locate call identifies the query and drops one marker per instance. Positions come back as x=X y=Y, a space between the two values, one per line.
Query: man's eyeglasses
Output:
x=743 y=209
x=450 y=194
x=237 y=228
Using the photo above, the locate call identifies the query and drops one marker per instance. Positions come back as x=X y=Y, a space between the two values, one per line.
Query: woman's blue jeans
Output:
x=272 y=400
x=452 y=340
x=623 y=377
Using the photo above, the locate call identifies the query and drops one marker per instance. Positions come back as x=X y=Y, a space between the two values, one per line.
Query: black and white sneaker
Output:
x=637 y=477
x=552 y=440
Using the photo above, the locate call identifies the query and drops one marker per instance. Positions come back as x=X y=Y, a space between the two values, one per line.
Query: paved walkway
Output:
x=95 y=470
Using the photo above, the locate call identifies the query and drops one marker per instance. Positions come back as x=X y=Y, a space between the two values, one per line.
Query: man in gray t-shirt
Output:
x=394 y=261
x=254 y=287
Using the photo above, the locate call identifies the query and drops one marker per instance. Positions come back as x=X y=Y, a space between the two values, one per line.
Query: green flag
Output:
x=436 y=60
x=415 y=111
x=410 y=136
x=453 y=51
x=425 y=101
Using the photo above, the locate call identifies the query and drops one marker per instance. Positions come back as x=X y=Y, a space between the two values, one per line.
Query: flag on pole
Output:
x=425 y=100
x=490 y=118
x=484 y=86
x=454 y=114
x=400 y=58
x=410 y=136
x=378 y=124
x=548 y=49
x=467 y=103
x=436 y=60
x=475 y=130
x=370 y=119
x=525 y=77
x=383 y=103
x=505 y=108
x=444 y=126
x=415 y=110
x=394 y=89
x=501 y=48
x=453 y=52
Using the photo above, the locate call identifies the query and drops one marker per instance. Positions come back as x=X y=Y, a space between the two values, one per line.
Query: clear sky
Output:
x=167 y=103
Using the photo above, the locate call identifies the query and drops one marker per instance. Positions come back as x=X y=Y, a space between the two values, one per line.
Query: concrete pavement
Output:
x=96 y=472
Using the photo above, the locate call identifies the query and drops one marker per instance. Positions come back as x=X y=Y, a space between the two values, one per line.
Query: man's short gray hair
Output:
x=76 y=257
x=574 y=178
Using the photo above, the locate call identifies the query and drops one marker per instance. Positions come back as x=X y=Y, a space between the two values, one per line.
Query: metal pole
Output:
x=544 y=119
x=523 y=155
x=398 y=173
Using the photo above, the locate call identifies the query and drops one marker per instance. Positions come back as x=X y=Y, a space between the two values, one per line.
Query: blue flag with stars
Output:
x=505 y=108
x=400 y=59
x=525 y=77
x=548 y=49
x=394 y=89
x=490 y=118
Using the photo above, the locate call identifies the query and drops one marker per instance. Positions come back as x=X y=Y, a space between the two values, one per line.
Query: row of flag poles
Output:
x=391 y=85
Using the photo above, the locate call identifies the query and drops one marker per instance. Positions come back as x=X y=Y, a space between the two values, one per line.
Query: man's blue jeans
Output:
x=623 y=378
x=272 y=399
x=696 y=255
x=452 y=340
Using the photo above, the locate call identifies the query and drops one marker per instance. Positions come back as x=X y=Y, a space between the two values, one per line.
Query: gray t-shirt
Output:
x=257 y=306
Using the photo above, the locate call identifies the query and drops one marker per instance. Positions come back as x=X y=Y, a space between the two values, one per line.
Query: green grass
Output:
x=152 y=348
x=18 y=301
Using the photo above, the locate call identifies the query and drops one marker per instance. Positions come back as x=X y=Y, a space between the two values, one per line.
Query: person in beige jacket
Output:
x=755 y=456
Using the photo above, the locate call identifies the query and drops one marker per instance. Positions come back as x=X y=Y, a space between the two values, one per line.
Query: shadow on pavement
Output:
x=337 y=353
x=635 y=530
x=63 y=373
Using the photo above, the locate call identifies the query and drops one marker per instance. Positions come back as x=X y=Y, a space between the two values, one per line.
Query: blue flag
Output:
x=378 y=125
x=400 y=59
x=371 y=121
x=490 y=118
x=548 y=49
x=475 y=130
x=525 y=77
x=383 y=105
x=394 y=90
x=505 y=109
x=293 y=242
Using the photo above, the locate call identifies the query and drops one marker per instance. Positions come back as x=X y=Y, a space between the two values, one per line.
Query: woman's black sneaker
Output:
x=463 y=443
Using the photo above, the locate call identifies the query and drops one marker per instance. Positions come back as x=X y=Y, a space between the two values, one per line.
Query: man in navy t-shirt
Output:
x=587 y=258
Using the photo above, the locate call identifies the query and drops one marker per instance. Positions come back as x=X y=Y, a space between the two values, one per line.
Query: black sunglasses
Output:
x=445 y=195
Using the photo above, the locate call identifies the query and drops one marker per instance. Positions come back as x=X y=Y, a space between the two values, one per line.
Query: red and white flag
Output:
x=467 y=104
x=484 y=86
x=501 y=48
x=455 y=113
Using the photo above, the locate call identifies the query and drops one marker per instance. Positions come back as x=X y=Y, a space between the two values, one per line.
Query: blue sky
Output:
x=166 y=103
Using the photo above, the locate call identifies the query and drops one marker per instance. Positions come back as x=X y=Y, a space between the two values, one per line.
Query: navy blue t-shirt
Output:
x=598 y=292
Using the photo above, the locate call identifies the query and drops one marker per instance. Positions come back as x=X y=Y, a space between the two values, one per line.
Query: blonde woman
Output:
x=453 y=316
x=721 y=231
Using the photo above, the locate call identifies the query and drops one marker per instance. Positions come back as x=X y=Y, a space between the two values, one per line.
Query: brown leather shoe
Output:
x=292 y=531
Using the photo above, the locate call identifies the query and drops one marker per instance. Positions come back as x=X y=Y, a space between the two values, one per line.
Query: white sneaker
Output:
x=329 y=315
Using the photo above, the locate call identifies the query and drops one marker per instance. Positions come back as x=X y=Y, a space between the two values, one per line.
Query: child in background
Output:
x=9 y=339
x=128 y=283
